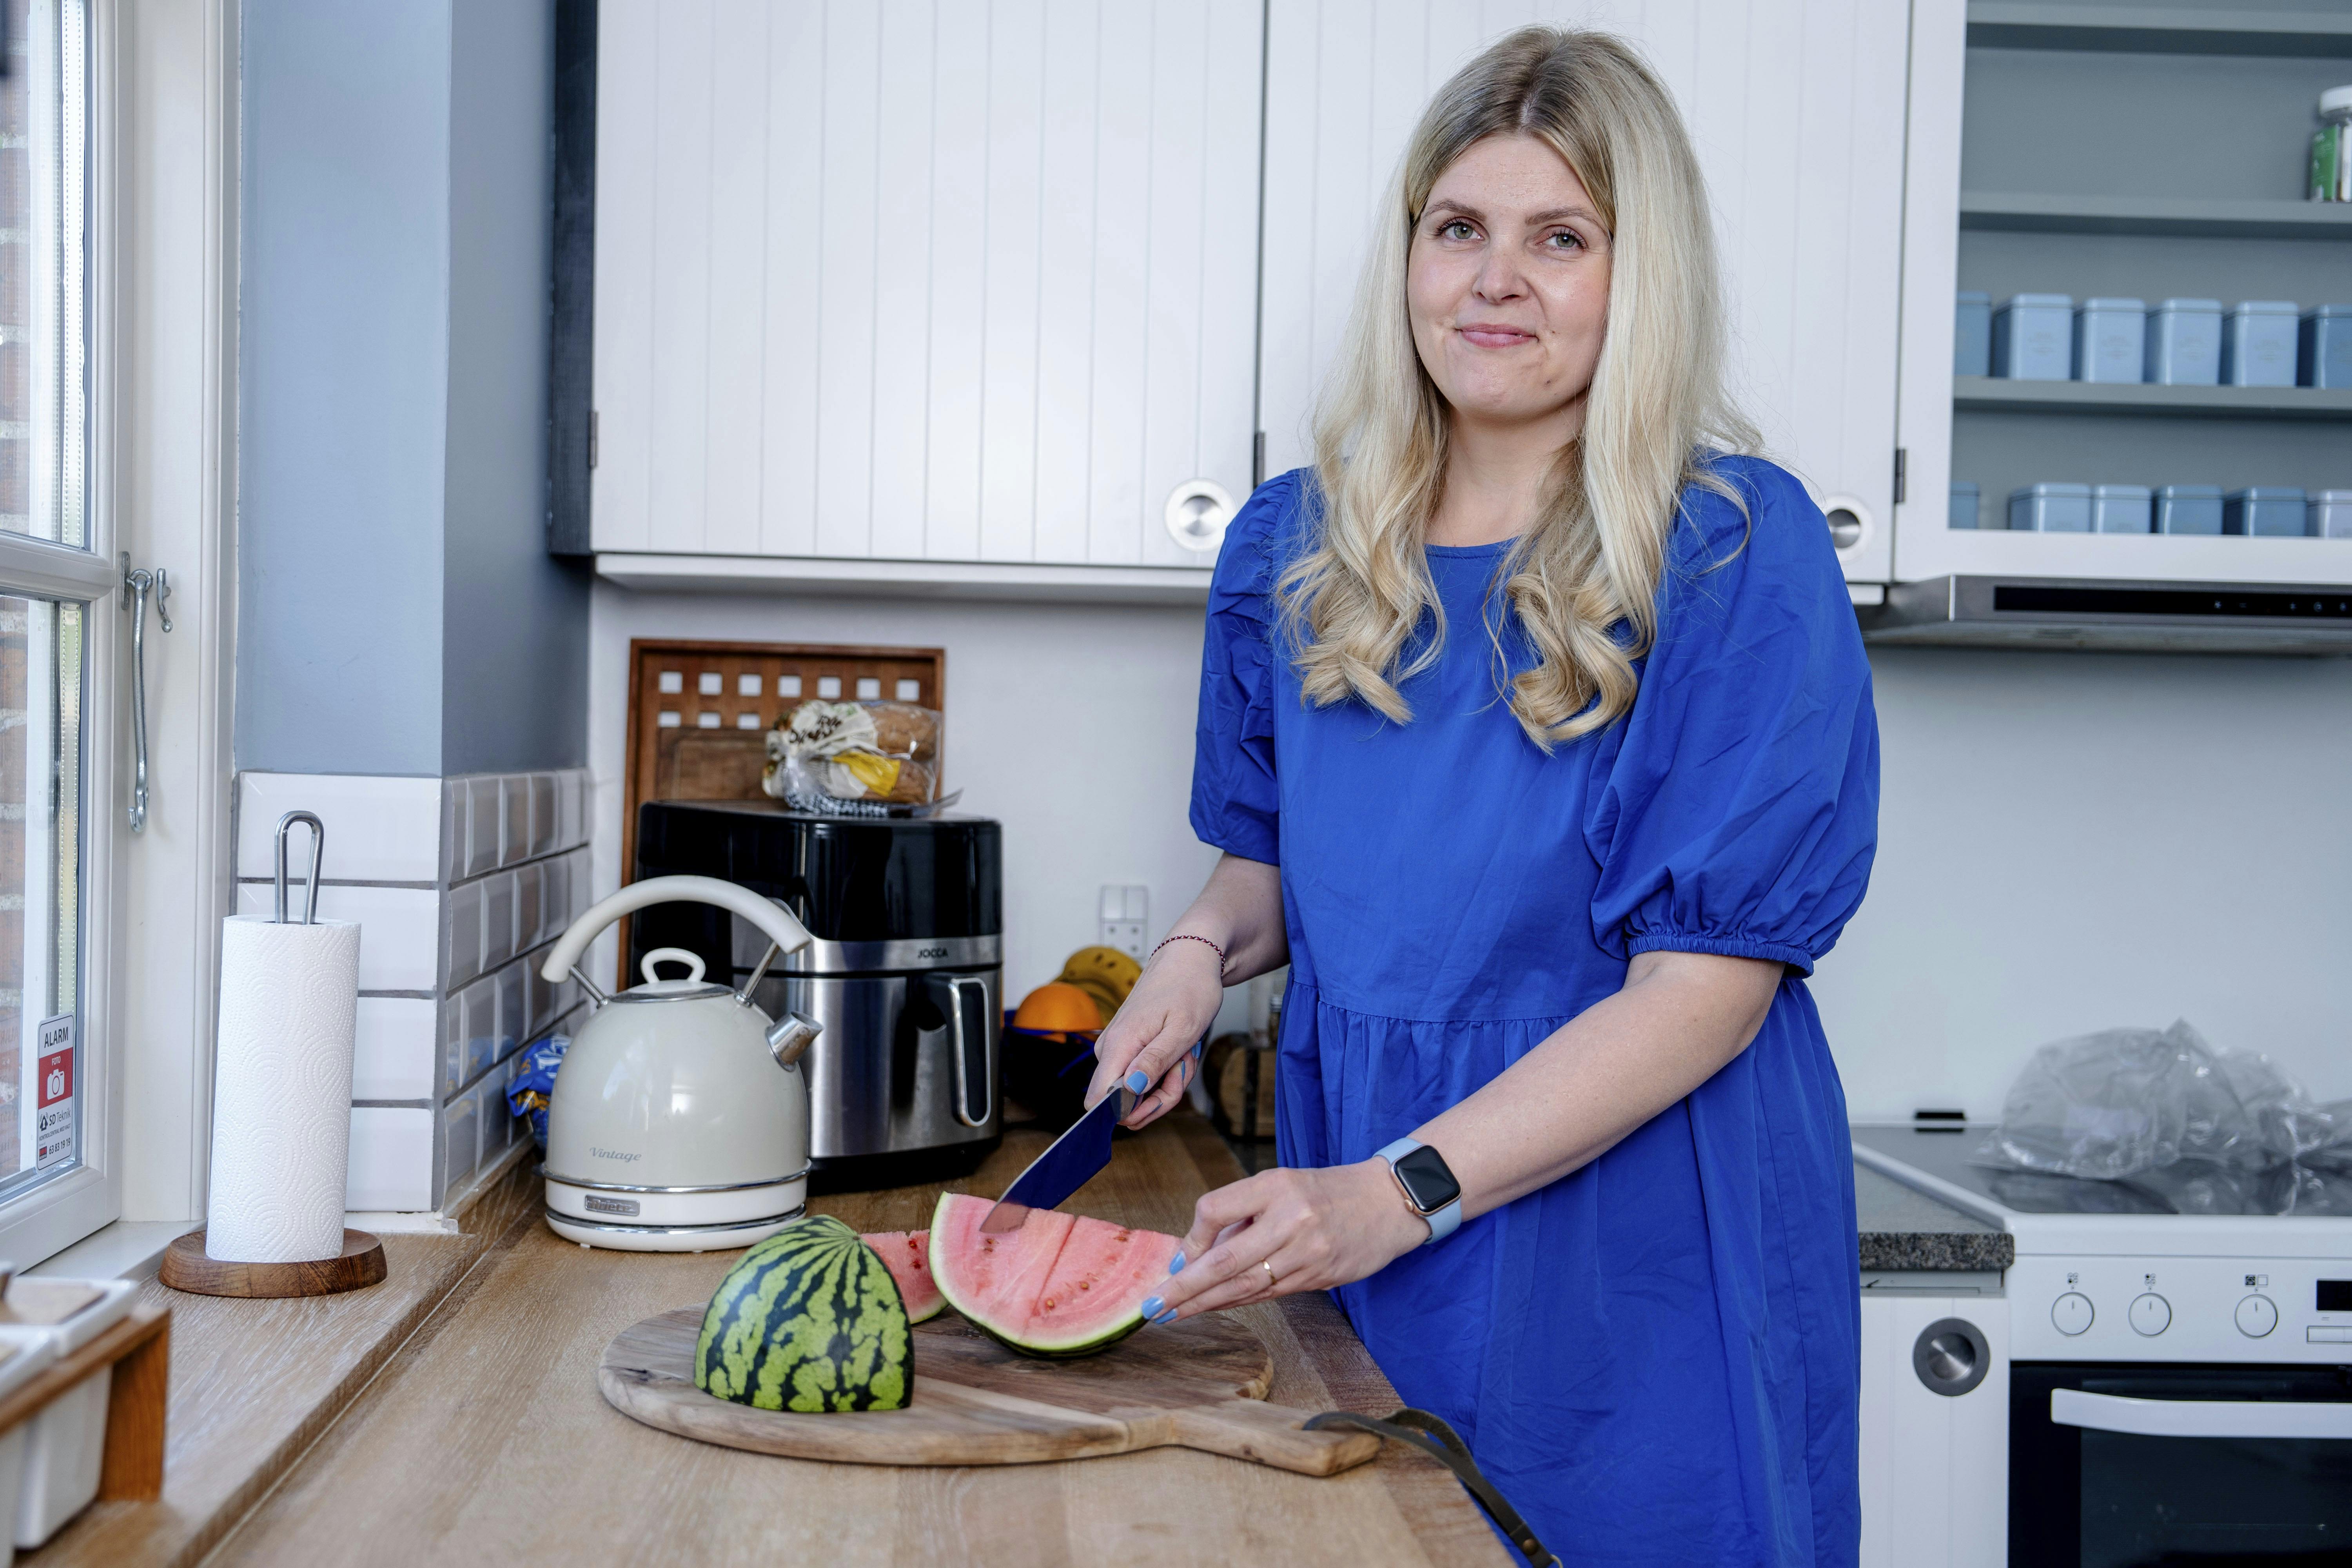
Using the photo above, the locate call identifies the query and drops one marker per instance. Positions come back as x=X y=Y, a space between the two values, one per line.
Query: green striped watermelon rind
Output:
x=1043 y=1350
x=847 y=1347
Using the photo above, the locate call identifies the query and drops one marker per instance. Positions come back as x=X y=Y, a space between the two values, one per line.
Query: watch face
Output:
x=1425 y=1175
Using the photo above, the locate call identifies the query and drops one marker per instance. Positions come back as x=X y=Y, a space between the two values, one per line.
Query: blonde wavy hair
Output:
x=1351 y=604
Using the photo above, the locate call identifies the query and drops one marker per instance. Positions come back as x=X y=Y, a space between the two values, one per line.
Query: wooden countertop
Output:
x=484 y=1439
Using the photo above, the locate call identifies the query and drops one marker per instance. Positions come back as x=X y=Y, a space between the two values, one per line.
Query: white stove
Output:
x=2178 y=1382
x=2116 y=1271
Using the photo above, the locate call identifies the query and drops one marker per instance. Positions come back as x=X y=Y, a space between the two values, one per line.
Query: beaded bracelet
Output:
x=1204 y=942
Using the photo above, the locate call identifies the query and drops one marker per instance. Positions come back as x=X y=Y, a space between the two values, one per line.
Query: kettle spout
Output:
x=789 y=1036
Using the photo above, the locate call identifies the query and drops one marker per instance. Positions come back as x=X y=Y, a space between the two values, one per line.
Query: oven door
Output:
x=2116 y=1465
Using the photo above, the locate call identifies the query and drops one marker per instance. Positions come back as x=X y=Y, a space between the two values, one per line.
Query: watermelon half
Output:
x=808 y=1320
x=1060 y=1286
x=907 y=1254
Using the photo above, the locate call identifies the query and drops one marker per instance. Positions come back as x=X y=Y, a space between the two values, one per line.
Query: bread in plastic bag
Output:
x=864 y=757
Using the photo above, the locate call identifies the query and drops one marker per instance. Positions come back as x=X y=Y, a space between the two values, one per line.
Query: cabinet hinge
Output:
x=592 y=441
x=1258 y=459
x=1902 y=461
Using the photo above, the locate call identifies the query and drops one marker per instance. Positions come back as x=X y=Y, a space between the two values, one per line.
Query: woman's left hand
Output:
x=1315 y=1228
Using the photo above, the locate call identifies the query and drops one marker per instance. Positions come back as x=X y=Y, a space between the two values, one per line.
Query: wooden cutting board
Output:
x=1200 y=1384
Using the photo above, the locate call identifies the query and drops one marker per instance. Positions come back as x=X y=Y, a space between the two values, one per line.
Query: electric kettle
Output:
x=679 y=1121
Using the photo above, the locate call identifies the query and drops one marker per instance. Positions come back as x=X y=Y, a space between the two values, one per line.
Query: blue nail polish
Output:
x=1176 y=1264
x=1151 y=1305
x=1166 y=1317
x=1139 y=1080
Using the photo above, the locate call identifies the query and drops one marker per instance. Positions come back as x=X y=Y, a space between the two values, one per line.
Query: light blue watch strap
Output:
x=1442 y=1224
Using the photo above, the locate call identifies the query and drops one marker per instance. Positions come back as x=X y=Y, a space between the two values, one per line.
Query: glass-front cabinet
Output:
x=2127 y=324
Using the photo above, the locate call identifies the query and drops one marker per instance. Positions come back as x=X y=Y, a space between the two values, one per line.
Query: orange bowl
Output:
x=1057 y=1006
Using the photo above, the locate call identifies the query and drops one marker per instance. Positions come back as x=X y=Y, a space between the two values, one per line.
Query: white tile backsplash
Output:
x=543 y=822
x=399 y=928
x=498 y=918
x=478 y=1004
x=511 y=984
x=531 y=919
x=462 y=926
x=497 y=866
x=514 y=818
x=396 y=1053
x=481 y=825
x=378 y=829
x=461 y=1139
x=453 y=1044
x=391 y=1159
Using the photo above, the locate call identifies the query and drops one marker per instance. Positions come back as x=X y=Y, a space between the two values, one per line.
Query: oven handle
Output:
x=2199 y=1417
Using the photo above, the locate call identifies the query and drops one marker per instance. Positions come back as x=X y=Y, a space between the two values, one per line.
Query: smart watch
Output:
x=1428 y=1185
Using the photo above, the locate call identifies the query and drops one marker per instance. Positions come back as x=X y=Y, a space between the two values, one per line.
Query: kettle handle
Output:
x=772 y=917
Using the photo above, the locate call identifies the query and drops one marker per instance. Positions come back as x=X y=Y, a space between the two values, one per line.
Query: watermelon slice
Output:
x=907 y=1254
x=1060 y=1286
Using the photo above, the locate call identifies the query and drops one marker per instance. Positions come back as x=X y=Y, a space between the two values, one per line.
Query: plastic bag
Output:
x=534 y=1085
x=2122 y=1102
x=861 y=758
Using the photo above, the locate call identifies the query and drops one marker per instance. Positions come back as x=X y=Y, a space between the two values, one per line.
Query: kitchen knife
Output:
x=1069 y=1162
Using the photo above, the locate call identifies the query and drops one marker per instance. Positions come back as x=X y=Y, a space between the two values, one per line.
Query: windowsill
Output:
x=253 y=1382
x=127 y=1249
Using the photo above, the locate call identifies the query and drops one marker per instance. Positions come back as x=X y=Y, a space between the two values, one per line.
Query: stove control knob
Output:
x=2150 y=1314
x=2071 y=1314
x=2257 y=1316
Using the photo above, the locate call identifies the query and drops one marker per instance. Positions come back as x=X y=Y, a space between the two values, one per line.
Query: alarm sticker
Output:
x=53 y=1083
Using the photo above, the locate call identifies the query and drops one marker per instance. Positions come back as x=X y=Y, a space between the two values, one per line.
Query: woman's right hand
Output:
x=1171 y=1007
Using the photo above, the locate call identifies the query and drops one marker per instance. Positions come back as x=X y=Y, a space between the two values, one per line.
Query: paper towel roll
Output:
x=282 y=1091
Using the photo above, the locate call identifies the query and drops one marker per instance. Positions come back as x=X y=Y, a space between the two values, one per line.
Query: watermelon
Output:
x=907 y=1255
x=808 y=1320
x=1060 y=1286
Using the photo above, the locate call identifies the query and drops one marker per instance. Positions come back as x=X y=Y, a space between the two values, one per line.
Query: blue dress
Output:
x=1656 y=1358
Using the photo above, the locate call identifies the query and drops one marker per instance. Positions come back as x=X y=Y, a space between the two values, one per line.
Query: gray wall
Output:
x=397 y=613
x=2073 y=841
x=514 y=673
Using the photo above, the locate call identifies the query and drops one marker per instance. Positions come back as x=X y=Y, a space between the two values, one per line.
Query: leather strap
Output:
x=1436 y=1438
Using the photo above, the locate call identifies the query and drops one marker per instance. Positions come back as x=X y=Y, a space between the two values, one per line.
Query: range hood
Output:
x=2102 y=613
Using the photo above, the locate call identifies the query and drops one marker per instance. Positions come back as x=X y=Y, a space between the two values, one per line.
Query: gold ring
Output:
x=1272 y=1279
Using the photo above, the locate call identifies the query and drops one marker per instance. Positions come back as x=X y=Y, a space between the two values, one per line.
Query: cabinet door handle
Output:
x=1198 y=510
x=137 y=587
x=2199 y=1417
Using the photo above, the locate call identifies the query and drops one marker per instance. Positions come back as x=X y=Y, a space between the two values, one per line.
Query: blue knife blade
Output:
x=1069 y=1162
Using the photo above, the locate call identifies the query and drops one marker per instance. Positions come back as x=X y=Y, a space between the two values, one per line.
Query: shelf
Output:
x=908 y=579
x=2159 y=30
x=2114 y=615
x=1990 y=394
x=2021 y=213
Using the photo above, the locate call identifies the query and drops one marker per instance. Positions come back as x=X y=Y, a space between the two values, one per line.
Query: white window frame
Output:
x=162 y=169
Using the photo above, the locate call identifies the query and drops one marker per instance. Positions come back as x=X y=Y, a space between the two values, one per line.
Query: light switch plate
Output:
x=1125 y=910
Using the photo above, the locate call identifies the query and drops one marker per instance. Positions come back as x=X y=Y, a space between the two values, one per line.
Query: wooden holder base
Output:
x=185 y=1267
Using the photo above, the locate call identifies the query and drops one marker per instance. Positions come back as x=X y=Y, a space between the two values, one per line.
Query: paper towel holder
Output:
x=317 y=856
x=186 y=1266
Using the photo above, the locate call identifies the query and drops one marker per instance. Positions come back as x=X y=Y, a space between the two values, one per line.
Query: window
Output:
x=50 y=579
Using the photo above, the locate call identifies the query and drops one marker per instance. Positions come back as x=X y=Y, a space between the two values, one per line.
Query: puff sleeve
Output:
x=1235 y=799
x=1735 y=808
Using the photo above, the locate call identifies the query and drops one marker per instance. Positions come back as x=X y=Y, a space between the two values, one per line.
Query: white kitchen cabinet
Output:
x=1793 y=105
x=917 y=281
x=1935 y=1467
x=2030 y=170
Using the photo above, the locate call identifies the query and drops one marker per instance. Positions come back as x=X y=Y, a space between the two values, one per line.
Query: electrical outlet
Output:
x=1125 y=911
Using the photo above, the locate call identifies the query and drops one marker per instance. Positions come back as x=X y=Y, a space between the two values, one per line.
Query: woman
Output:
x=1536 y=729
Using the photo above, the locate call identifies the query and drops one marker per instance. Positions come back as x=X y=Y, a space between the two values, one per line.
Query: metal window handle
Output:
x=137 y=587
x=2277 y=1418
x=955 y=985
